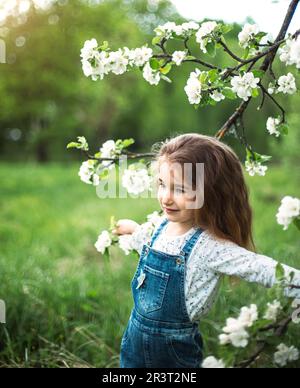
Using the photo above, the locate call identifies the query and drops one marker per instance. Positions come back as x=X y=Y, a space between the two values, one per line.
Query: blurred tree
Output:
x=47 y=101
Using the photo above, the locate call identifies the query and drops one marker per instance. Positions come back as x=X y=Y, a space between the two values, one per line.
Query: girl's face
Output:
x=174 y=194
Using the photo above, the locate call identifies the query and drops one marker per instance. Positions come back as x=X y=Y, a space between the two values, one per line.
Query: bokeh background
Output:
x=66 y=305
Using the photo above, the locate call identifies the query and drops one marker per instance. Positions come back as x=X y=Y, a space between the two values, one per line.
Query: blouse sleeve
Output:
x=231 y=259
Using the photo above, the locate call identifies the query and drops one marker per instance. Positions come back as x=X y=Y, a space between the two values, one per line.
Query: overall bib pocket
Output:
x=150 y=294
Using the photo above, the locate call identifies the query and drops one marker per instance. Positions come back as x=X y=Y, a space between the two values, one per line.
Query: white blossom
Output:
x=224 y=339
x=237 y=335
x=243 y=85
x=295 y=52
x=193 y=87
x=125 y=243
x=86 y=171
x=104 y=241
x=190 y=27
x=248 y=315
x=178 y=57
x=217 y=96
x=285 y=354
x=96 y=179
x=102 y=66
x=136 y=181
x=150 y=75
x=95 y=64
x=288 y=210
x=166 y=30
x=235 y=332
x=89 y=49
x=202 y=35
x=213 y=363
x=154 y=218
x=239 y=338
x=108 y=150
x=287 y=84
x=271 y=88
x=118 y=62
x=83 y=143
x=254 y=168
x=272 y=124
x=273 y=309
x=146 y=229
x=141 y=55
x=290 y=53
x=247 y=34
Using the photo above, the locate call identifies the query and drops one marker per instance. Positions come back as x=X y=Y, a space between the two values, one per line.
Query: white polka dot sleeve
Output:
x=230 y=259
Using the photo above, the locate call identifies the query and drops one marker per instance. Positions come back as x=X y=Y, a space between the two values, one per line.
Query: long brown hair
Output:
x=226 y=212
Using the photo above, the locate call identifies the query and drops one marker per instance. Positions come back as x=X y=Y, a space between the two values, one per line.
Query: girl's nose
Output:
x=167 y=198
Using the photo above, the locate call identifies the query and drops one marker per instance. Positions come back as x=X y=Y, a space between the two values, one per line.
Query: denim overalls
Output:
x=159 y=333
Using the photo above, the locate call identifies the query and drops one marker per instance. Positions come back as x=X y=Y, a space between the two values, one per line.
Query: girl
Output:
x=180 y=268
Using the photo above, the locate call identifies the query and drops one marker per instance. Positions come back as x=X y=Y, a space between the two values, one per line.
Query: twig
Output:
x=265 y=92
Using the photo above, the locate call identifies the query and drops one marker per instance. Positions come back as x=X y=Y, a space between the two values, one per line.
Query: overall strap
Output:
x=159 y=229
x=189 y=245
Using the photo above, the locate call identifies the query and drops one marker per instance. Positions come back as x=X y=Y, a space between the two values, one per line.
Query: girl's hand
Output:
x=125 y=227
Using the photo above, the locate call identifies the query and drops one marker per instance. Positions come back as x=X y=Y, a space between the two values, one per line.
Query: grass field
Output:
x=68 y=307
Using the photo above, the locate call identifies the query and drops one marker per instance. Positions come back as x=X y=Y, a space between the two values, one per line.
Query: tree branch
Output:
x=269 y=59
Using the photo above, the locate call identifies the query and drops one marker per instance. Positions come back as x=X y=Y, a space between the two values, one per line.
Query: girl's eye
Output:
x=180 y=190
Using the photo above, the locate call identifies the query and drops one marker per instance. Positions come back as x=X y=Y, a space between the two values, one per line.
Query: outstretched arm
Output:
x=231 y=259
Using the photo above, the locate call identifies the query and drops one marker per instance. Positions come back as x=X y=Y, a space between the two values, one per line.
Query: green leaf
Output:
x=166 y=69
x=258 y=73
x=190 y=58
x=255 y=93
x=297 y=222
x=261 y=35
x=246 y=54
x=264 y=158
x=73 y=145
x=98 y=155
x=211 y=48
x=128 y=142
x=156 y=40
x=284 y=129
x=104 y=46
x=280 y=273
x=213 y=75
x=104 y=174
x=229 y=93
x=203 y=77
x=154 y=64
x=226 y=28
x=112 y=223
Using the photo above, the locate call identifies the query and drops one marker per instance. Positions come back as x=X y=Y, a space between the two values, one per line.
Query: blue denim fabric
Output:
x=159 y=333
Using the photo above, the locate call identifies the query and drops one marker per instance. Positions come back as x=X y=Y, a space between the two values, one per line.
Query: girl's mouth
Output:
x=170 y=210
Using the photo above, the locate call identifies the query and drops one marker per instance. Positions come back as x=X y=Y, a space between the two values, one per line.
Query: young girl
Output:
x=180 y=268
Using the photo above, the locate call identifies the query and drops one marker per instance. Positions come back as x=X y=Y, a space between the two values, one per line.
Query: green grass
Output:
x=66 y=306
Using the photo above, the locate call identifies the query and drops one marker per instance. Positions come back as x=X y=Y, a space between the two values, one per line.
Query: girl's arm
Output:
x=231 y=259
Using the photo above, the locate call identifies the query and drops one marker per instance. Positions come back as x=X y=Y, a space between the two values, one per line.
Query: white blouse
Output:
x=209 y=260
